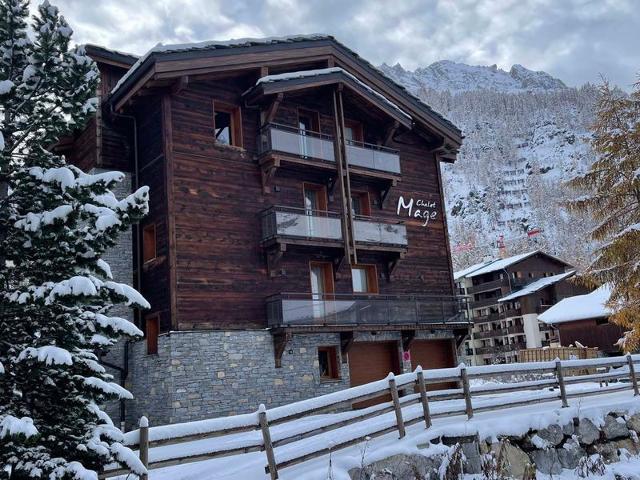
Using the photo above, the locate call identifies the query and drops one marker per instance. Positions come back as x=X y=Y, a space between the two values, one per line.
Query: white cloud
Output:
x=575 y=40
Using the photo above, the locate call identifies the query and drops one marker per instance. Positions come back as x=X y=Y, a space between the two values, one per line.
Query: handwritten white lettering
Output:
x=427 y=211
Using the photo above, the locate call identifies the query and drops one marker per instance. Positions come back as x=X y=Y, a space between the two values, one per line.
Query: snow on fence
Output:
x=266 y=430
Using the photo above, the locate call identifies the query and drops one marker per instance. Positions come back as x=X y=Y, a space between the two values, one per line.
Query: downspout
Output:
x=124 y=372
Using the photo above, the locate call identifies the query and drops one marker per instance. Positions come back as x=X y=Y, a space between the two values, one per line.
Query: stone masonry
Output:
x=206 y=374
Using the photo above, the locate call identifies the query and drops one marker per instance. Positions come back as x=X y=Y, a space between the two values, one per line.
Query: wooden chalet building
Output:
x=296 y=242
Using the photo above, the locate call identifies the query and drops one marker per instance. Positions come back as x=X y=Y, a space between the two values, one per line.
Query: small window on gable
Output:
x=149 y=242
x=152 y=332
x=227 y=124
x=328 y=363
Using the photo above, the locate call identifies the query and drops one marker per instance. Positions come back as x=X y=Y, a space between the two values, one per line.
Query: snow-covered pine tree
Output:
x=612 y=187
x=55 y=291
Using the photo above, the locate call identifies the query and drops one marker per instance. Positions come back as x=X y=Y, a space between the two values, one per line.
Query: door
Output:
x=315 y=207
x=308 y=121
x=371 y=361
x=321 y=275
x=430 y=354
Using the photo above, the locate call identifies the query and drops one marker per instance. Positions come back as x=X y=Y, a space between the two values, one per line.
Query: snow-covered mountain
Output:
x=525 y=134
x=455 y=77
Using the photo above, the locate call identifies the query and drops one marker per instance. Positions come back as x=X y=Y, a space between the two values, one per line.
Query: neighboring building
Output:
x=296 y=242
x=583 y=320
x=504 y=298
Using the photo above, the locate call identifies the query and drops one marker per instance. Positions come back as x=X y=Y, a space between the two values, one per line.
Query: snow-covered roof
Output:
x=246 y=42
x=212 y=45
x=328 y=71
x=506 y=262
x=463 y=273
x=579 y=307
x=537 y=285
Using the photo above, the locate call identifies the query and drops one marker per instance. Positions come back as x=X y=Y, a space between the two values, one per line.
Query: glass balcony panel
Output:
x=296 y=142
x=341 y=309
x=373 y=157
x=383 y=233
x=290 y=222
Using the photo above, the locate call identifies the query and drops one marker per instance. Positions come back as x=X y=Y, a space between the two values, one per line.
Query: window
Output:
x=308 y=121
x=360 y=204
x=353 y=131
x=227 y=124
x=364 y=279
x=328 y=363
x=315 y=198
x=152 y=332
x=149 y=243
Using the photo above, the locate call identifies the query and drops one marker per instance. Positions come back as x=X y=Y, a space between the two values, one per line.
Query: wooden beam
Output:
x=274 y=258
x=267 y=172
x=270 y=113
x=346 y=342
x=341 y=178
x=388 y=136
x=346 y=205
x=408 y=336
x=180 y=85
x=280 y=341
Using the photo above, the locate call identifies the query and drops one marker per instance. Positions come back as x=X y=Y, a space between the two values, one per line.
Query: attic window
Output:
x=227 y=124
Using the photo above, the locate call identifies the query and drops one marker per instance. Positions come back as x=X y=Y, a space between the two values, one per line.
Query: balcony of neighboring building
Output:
x=348 y=310
x=497 y=349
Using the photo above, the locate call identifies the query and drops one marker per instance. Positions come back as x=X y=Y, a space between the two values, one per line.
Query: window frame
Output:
x=365 y=202
x=327 y=273
x=372 y=278
x=334 y=364
x=149 y=243
x=323 y=198
x=315 y=119
x=152 y=334
x=235 y=127
x=356 y=128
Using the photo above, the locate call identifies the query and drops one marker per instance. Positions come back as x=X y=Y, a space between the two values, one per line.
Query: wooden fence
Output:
x=405 y=390
x=547 y=354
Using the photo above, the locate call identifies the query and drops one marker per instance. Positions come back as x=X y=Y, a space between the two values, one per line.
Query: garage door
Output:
x=433 y=354
x=371 y=361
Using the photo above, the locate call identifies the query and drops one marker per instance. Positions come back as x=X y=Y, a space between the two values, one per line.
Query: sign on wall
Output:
x=425 y=210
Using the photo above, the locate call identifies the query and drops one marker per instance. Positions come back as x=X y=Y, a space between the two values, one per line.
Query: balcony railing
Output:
x=306 y=309
x=301 y=143
x=367 y=230
x=300 y=223
x=373 y=157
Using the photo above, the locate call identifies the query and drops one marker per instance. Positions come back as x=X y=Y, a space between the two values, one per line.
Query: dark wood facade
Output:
x=212 y=268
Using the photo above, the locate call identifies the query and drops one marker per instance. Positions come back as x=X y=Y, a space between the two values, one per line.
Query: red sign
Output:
x=406 y=356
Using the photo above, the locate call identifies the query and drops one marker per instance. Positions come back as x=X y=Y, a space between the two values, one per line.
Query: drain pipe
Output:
x=124 y=372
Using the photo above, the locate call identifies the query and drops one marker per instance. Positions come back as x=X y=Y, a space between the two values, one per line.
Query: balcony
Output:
x=484 y=302
x=372 y=157
x=299 y=143
x=316 y=227
x=306 y=309
x=370 y=231
x=487 y=286
x=496 y=349
x=279 y=143
x=300 y=225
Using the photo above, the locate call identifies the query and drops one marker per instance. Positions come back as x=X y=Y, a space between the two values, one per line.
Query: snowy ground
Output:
x=510 y=421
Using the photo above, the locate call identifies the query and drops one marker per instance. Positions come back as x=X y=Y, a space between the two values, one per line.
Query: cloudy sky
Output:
x=574 y=40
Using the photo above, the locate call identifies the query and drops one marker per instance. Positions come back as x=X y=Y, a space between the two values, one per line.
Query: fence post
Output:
x=272 y=468
x=560 y=377
x=632 y=374
x=423 y=397
x=144 y=445
x=466 y=390
x=396 y=404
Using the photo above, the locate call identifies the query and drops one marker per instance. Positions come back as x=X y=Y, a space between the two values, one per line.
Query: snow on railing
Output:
x=269 y=430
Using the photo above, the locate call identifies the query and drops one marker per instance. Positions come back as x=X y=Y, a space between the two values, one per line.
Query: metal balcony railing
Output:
x=300 y=223
x=369 y=230
x=275 y=137
x=306 y=309
x=373 y=157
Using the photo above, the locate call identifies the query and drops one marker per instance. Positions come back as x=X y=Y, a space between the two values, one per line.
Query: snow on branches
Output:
x=55 y=291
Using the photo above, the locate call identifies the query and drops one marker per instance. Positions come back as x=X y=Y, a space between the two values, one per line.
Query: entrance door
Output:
x=371 y=361
x=430 y=354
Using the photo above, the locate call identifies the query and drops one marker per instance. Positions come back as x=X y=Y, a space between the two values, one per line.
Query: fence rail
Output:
x=405 y=390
